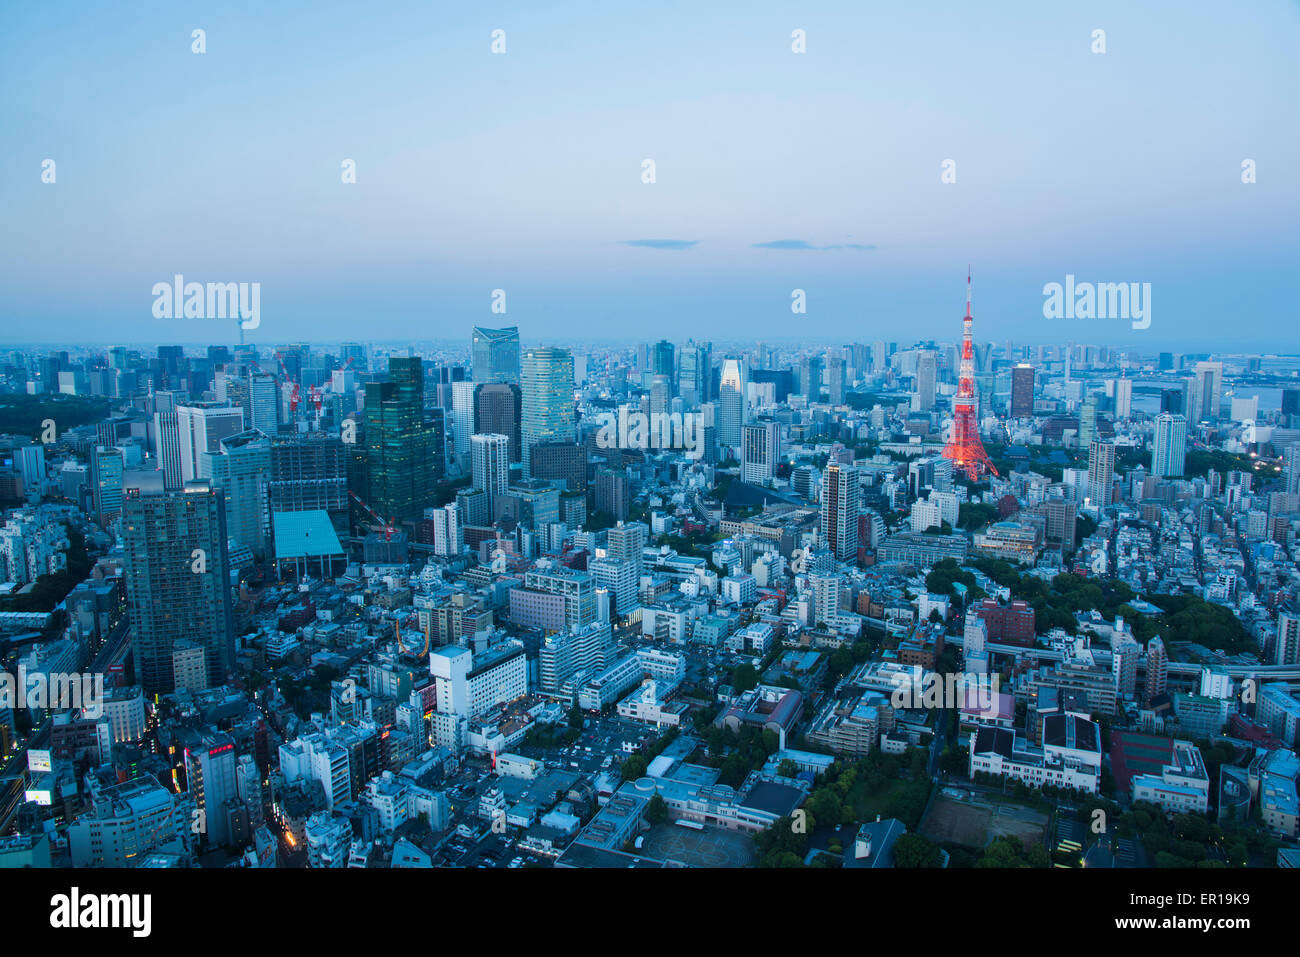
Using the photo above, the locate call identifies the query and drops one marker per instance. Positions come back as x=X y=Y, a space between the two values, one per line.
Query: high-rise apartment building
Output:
x=1101 y=472
x=1287 y=649
x=1169 y=445
x=177 y=574
x=490 y=465
x=841 y=496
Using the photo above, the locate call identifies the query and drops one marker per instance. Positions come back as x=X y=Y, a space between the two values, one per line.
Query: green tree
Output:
x=634 y=768
x=656 y=811
x=913 y=850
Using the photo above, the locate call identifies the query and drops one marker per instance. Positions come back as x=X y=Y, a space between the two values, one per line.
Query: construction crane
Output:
x=294 y=396
x=386 y=526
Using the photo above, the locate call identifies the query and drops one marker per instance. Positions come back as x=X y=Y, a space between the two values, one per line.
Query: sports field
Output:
x=711 y=847
x=975 y=824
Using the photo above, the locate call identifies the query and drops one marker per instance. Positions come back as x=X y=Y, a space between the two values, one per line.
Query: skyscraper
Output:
x=1286 y=651
x=693 y=373
x=923 y=397
x=177 y=573
x=308 y=472
x=1205 y=392
x=663 y=359
x=1157 y=670
x=841 y=494
x=1123 y=397
x=1088 y=420
x=241 y=468
x=462 y=419
x=1291 y=468
x=547 y=392
x=835 y=379
x=107 y=475
x=810 y=377
x=1022 y=391
x=731 y=416
x=200 y=427
x=405 y=447
x=495 y=354
x=1169 y=445
x=760 y=452
x=1101 y=472
x=498 y=409
x=262 y=403
x=490 y=464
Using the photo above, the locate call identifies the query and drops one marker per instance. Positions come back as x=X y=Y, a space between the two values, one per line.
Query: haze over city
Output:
x=774 y=171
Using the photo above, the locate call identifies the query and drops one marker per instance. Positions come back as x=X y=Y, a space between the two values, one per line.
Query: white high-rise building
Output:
x=462 y=420
x=1101 y=472
x=200 y=428
x=1169 y=445
x=490 y=464
x=447 y=536
x=1123 y=398
x=263 y=403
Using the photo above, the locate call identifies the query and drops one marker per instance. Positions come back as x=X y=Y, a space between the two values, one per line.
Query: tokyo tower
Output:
x=964 y=446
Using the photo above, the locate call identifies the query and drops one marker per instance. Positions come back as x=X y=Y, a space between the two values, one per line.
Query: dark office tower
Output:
x=663 y=358
x=1022 y=391
x=405 y=447
x=1290 y=401
x=219 y=356
x=782 y=381
x=309 y=472
x=561 y=462
x=612 y=492
x=1173 y=400
x=1166 y=362
x=497 y=408
x=810 y=377
x=495 y=354
x=177 y=573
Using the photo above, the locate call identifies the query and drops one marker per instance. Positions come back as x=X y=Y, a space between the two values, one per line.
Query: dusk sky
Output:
x=775 y=170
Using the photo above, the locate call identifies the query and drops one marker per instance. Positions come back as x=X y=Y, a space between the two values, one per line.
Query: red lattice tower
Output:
x=964 y=446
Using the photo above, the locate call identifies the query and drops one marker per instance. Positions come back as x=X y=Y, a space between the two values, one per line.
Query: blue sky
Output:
x=774 y=171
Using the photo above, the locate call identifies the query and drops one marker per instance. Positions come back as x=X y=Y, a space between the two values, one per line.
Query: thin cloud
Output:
x=662 y=243
x=804 y=244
